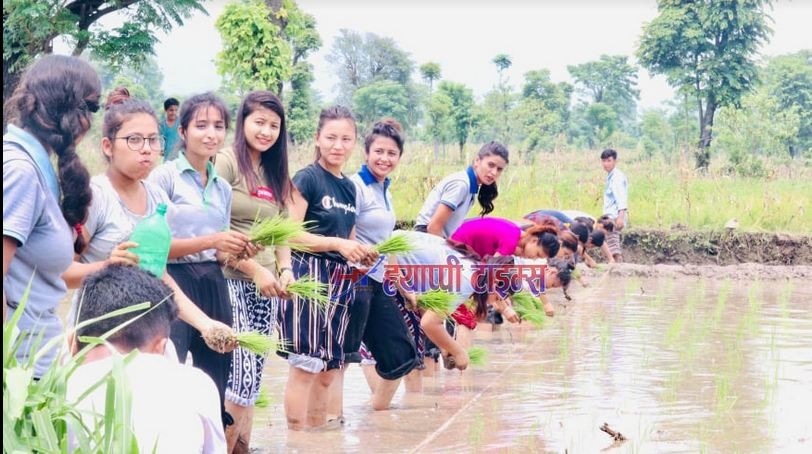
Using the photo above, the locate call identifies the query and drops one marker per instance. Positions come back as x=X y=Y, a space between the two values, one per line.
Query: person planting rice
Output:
x=122 y=198
x=200 y=235
x=256 y=168
x=172 y=408
x=436 y=254
x=313 y=333
x=375 y=317
x=49 y=113
x=449 y=202
x=501 y=237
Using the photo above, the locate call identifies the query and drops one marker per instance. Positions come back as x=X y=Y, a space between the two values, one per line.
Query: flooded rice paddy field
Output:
x=676 y=364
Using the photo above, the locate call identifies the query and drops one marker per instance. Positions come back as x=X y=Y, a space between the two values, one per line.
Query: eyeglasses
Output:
x=136 y=143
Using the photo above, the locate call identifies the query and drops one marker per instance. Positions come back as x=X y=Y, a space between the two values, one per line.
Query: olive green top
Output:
x=247 y=207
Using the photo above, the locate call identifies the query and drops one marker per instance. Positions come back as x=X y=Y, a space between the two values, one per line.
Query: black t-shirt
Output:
x=330 y=203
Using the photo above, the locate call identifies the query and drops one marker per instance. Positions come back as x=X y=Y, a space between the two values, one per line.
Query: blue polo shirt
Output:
x=375 y=219
x=33 y=218
x=199 y=210
x=456 y=191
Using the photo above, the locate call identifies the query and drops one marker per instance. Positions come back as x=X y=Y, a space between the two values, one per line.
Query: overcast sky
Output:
x=463 y=36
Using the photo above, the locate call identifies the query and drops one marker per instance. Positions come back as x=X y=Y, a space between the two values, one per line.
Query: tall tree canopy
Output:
x=31 y=26
x=706 y=49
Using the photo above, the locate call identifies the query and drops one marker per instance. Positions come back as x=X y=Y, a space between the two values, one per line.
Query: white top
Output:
x=175 y=408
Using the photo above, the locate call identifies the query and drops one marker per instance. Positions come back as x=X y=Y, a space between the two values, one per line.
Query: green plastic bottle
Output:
x=154 y=238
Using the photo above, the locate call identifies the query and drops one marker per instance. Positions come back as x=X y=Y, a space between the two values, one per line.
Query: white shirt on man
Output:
x=175 y=408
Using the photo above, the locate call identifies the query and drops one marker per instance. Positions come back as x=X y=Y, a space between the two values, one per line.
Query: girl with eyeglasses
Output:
x=122 y=198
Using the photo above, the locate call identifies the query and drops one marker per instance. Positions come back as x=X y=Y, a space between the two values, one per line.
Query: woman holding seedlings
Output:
x=434 y=252
x=131 y=145
x=200 y=235
x=50 y=112
x=375 y=317
x=450 y=201
x=314 y=333
x=256 y=168
x=501 y=237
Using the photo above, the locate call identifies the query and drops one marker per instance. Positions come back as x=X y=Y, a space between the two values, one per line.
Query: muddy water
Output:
x=676 y=365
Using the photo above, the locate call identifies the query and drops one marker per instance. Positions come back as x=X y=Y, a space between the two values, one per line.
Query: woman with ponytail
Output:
x=49 y=113
x=449 y=202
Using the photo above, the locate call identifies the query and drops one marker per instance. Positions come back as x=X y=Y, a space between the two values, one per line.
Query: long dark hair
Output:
x=488 y=193
x=333 y=113
x=55 y=101
x=274 y=161
x=547 y=236
x=190 y=107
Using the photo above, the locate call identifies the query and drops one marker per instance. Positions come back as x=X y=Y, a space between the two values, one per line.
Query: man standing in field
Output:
x=615 y=201
x=169 y=129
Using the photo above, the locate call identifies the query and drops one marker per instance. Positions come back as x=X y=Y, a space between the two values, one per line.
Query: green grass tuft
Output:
x=264 y=399
x=529 y=308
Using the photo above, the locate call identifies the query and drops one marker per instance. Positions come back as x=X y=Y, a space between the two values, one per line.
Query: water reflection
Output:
x=684 y=365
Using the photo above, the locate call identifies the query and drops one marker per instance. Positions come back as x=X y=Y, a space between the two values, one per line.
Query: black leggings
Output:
x=205 y=285
x=376 y=319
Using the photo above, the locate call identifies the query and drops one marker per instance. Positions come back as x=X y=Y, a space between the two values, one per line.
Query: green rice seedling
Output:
x=394 y=245
x=310 y=289
x=257 y=342
x=278 y=231
x=477 y=356
x=528 y=308
x=437 y=301
x=264 y=399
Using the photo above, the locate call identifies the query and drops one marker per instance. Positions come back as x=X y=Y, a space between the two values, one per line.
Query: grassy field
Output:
x=662 y=193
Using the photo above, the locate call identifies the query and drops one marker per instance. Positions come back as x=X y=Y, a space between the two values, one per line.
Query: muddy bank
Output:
x=726 y=247
x=715 y=247
x=744 y=271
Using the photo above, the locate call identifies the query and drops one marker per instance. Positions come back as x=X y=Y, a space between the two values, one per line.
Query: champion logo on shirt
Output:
x=264 y=193
x=329 y=202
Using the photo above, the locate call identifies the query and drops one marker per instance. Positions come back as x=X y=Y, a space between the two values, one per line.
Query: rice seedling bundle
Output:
x=437 y=301
x=477 y=356
x=528 y=308
x=395 y=244
x=256 y=342
x=308 y=288
x=278 y=231
x=264 y=399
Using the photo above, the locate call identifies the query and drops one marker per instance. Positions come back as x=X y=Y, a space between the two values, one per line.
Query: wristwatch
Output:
x=284 y=268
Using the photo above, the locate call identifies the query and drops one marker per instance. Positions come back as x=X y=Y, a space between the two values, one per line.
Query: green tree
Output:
x=462 y=110
x=761 y=127
x=430 y=72
x=147 y=75
x=303 y=38
x=31 y=26
x=254 y=56
x=706 y=50
x=384 y=98
x=655 y=132
x=301 y=111
x=788 y=79
x=543 y=111
x=502 y=62
x=610 y=80
x=440 y=123
x=361 y=60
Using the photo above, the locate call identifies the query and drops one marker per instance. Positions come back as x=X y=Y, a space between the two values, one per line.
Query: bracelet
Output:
x=285 y=268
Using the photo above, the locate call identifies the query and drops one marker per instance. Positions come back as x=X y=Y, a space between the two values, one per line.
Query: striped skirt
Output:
x=309 y=329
